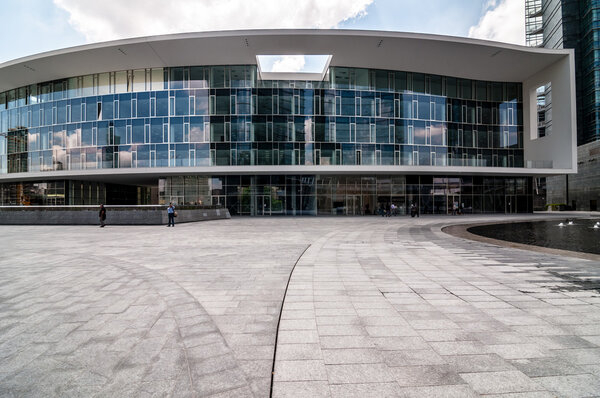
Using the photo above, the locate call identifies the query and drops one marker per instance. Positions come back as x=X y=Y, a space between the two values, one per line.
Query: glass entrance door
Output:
x=263 y=205
x=453 y=200
x=510 y=204
x=353 y=205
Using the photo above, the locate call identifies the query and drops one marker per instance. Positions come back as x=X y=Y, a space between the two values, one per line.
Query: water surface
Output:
x=579 y=237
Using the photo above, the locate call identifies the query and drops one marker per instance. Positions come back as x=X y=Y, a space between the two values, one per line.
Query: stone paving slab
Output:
x=375 y=307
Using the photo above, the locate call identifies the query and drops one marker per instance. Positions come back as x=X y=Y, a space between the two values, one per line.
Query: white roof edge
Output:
x=435 y=54
x=262 y=32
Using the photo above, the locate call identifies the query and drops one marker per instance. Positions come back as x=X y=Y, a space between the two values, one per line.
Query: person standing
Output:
x=171 y=214
x=102 y=216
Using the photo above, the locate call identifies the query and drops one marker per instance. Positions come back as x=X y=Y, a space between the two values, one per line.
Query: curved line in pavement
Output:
x=279 y=320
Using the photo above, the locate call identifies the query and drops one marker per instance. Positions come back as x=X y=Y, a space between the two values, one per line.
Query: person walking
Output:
x=171 y=214
x=102 y=216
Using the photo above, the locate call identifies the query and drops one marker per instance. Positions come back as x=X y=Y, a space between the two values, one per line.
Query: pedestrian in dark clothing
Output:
x=102 y=216
x=171 y=214
x=414 y=210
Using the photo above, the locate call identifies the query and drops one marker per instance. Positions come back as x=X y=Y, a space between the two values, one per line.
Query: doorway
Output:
x=510 y=204
x=353 y=205
x=452 y=201
x=263 y=205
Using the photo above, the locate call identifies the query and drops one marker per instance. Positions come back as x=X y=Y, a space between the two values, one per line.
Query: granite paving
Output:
x=374 y=307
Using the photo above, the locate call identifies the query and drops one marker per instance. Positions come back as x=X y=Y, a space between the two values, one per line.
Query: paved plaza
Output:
x=381 y=307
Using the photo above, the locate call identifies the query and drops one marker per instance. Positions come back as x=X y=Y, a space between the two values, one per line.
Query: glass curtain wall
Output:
x=349 y=195
x=223 y=115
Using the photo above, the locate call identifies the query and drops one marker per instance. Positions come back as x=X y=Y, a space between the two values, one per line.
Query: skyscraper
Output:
x=573 y=24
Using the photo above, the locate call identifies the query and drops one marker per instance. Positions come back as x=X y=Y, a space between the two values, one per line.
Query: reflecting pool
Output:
x=580 y=236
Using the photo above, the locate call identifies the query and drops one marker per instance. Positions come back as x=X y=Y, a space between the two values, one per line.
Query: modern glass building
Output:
x=574 y=24
x=192 y=119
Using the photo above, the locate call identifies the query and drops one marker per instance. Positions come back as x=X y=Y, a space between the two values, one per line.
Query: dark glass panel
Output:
x=176 y=81
x=222 y=102
x=197 y=77
x=367 y=106
x=418 y=80
x=451 y=87
x=285 y=101
x=400 y=81
x=436 y=85
x=348 y=103
x=363 y=130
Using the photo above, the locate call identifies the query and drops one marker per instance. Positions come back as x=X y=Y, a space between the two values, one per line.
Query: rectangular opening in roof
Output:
x=296 y=66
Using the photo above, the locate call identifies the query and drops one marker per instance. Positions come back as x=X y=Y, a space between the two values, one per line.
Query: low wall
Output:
x=115 y=215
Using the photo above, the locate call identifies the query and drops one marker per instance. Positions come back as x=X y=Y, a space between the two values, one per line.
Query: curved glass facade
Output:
x=224 y=115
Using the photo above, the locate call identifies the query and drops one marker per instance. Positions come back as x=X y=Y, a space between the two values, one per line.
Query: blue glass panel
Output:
x=47 y=115
x=137 y=131
x=107 y=107
x=367 y=106
x=35 y=118
x=176 y=129
x=363 y=130
x=143 y=155
x=424 y=107
x=125 y=106
x=143 y=104
x=61 y=112
x=162 y=155
x=202 y=154
x=120 y=132
x=182 y=155
x=76 y=110
x=91 y=109
x=182 y=102
x=348 y=154
x=420 y=132
x=156 y=130
x=102 y=133
x=87 y=134
x=162 y=103
x=342 y=129
x=382 y=131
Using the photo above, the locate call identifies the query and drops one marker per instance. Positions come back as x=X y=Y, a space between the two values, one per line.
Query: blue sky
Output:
x=448 y=17
x=35 y=26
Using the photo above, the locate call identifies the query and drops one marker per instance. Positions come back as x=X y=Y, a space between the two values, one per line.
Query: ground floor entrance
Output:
x=352 y=195
x=272 y=195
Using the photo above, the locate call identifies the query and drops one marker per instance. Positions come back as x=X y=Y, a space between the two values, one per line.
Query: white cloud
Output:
x=116 y=19
x=503 y=21
x=289 y=63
